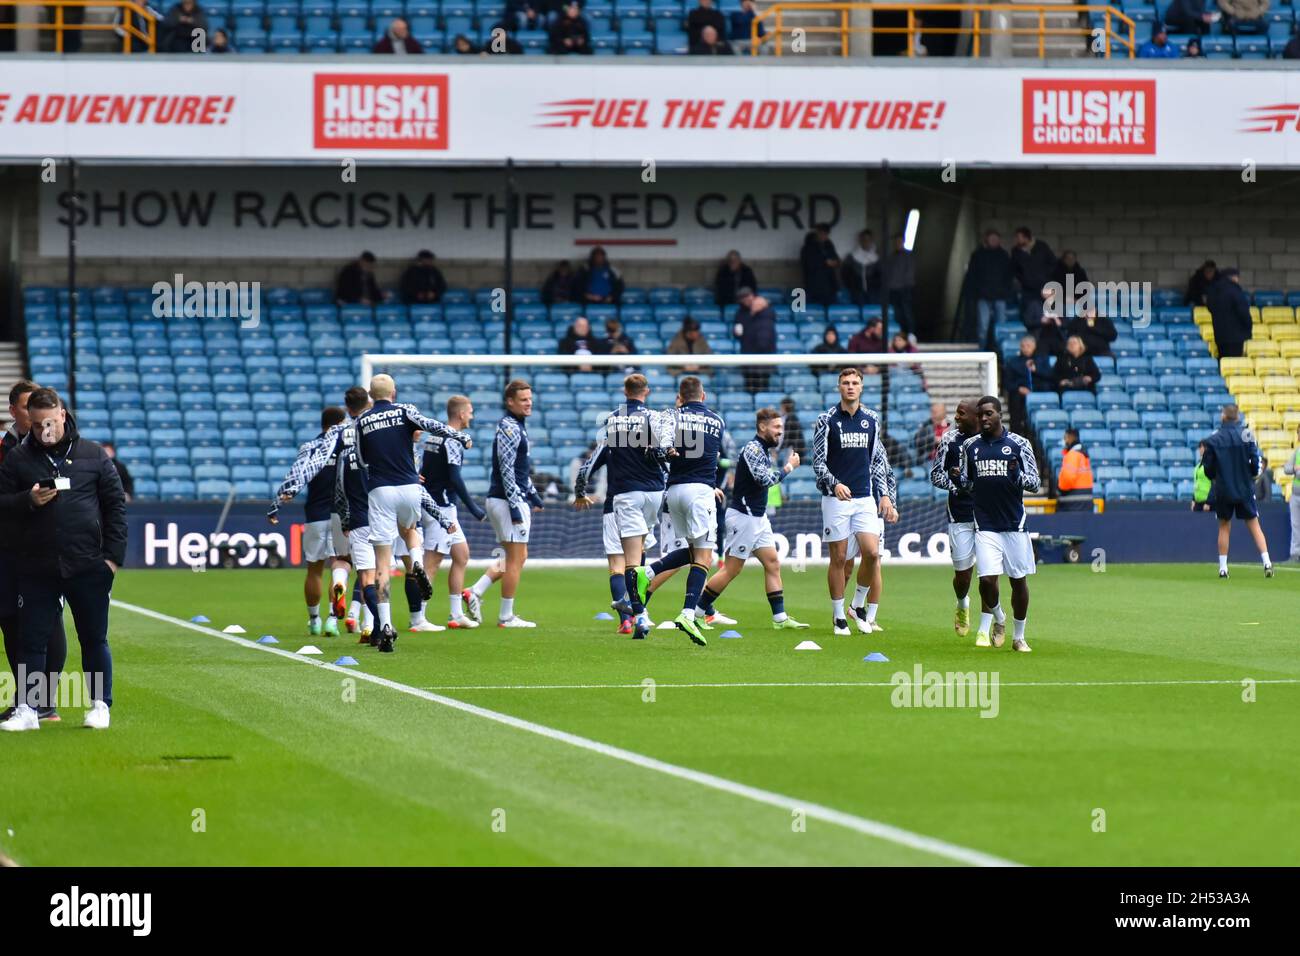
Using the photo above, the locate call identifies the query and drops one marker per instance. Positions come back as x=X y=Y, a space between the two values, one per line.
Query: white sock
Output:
x=368 y=619
x=1263 y=556
x=1018 y=628
x=860 y=595
x=778 y=618
x=339 y=576
x=417 y=616
x=457 y=606
x=313 y=611
x=507 y=609
x=986 y=621
x=385 y=615
x=1223 y=562
x=689 y=612
x=999 y=615
x=963 y=602
x=871 y=612
x=838 y=605
x=354 y=610
x=481 y=585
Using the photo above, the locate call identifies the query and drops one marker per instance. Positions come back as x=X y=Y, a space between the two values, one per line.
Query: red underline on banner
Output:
x=625 y=242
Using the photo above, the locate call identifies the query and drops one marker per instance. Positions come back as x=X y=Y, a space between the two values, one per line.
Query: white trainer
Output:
x=473 y=606
x=859 y=617
x=717 y=617
x=462 y=622
x=840 y=627
x=23 y=718
x=97 y=716
x=1019 y=645
x=426 y=626
x=515 y=621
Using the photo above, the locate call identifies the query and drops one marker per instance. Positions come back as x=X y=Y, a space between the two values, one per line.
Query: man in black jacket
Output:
x=423 y=282
x=989 y=283
x=71 y=519
x=820 y=263
x=1034 y=264
x=356 y=283
x=733 y=275
x=1229 y=314
x=755 y=327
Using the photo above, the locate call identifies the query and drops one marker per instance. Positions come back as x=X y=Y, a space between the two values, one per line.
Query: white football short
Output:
x=437 y=539
x=322 y=540
x=694 y=510
x=393 y=507
x=507 y=532
x=609 y=534
x=363 y=552
x=668 y=540
x=746 y=534
x=961 y=544
x=845 y=519
x=637 y=512
x=1004 y=552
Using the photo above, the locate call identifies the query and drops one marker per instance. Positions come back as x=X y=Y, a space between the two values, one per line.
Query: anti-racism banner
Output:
x=647 y=113
x=278 y=212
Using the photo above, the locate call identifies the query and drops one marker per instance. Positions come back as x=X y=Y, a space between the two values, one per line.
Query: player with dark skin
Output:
x=990 y=426
x=967 y=421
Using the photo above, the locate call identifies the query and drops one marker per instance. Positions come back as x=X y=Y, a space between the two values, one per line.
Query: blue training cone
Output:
x=730 y=634
x=267 y=639
x=199 y=619
x=604 y=616
x=876 y=657
x=346 y=661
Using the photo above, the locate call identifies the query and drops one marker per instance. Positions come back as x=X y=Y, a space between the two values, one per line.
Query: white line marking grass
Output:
x=863 y=825
x=738 y=684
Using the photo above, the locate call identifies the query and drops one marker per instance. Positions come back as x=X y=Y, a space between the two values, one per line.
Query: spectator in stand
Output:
x=927 y=435
x=755 y=327
x=870 y=339
x=579 y=340
x=819 y=262
x=704 y=15
x=569 y=33
x=1034 y=264
x=221 y=43
x=128 y=483
x=733 y=275
x=397 y=39
x=989 y=280
x=177 y=32
x=1192 y=49
x=898 y=274
x=527 y=14
x=356 y=282
x=1189 y=16
x=689 y=341
x=422 y=282
x=710 y=43
x=1022 y=375
x=464 y=46
x=1158 y=47
x=1074 y=477
x=1051 y=331
x=598 y=281
x=1200 y=283
x=741 y=21
x=830 y=343
x=1229 y=314
x=792 y=438
x=617 y=341
x=1069 y=274
x=1096 y=331
x=1292 y=52
x=1075 y=370
x=561 y=285
x=860 y=272
x=1244 y=13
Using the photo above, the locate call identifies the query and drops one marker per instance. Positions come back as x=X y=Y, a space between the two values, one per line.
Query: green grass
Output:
x=1187 y=774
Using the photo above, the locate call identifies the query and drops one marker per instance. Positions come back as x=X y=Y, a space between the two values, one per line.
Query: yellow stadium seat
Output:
x=1294 y=362
x=1291 y=420
x=1264 y=418
x=1253 y=401
x=1284 y=333
x=1271 y=436
x=1271 y=365
x=1262 y=347
x=1237 y=366
x=1289 y=350
x=1201 y=314
x=1254 y=313
x=1277 y=313
x=1285 y=401
x=1241 y=384
x=1277 y=384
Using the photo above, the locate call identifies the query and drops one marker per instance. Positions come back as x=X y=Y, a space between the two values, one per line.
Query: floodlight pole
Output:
x=73 y=209
x=510 y=254
x=884 y=290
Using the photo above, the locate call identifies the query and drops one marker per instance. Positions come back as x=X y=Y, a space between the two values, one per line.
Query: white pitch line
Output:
x=1001 y=683
x=863 y=825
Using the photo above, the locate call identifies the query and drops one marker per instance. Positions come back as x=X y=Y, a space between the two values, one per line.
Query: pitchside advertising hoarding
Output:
x=612 y=111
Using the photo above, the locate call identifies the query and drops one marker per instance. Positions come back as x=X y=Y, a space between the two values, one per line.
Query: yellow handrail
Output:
x=1115 y=20
x=148 y=36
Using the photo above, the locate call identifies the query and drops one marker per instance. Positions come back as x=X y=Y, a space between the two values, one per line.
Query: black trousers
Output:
x=10 y=626
x=40 y=615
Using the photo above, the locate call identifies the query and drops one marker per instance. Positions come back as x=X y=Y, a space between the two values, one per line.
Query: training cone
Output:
x=665 y=626
x=808 y=646
x=346 y=661
x=267 y=639
x=876 y=657
x=604 y=616
x=233 y=629
x=309 y=649
x=199 y=619
x=732 y=633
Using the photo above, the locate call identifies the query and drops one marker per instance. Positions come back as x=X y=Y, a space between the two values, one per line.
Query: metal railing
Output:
x=130 y=10
x=1118 y=32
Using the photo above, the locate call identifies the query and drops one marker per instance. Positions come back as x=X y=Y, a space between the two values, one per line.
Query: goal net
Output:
x=572 y=395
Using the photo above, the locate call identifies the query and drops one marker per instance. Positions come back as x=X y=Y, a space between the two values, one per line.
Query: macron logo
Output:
x=103 y=909
x=380 y=111
x=1109 y=117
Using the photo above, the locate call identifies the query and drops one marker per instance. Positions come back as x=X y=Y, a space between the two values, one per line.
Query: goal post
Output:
x=572 y=394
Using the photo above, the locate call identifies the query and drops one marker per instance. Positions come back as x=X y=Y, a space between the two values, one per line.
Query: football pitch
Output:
x=1126 y=738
